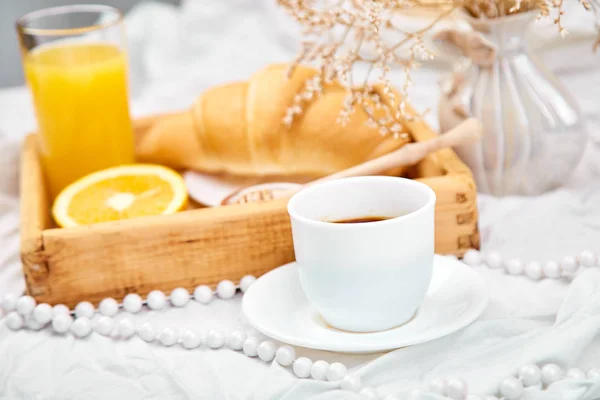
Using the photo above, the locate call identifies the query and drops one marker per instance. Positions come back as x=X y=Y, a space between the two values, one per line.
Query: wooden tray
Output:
x=200 y=246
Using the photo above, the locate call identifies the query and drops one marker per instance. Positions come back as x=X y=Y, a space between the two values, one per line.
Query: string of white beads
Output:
x=203 y=294
x=104 y=325
x=25 y=313
x=108 y=307
x=14 y=321
x=81 y=327
x=534 y=270
x=302 y=367
x=156 y=300
x=43 y=313
x=84 y=309
x=125 y=328
x=336 y=372
x=61 y=323
x=319 y=370
x=266 y=351
x=179 y=297
x=285 y=356
x=215 y=339
x=25 y=305
x=226 y=290
x=132 y=303
x=250 y=346
x=168 y=336
x=191 y=339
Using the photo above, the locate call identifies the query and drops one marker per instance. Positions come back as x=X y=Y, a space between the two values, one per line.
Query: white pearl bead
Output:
x=61 y=323
x=235 y=341
x=9 y=302
x=511 y=388
x=569 y=265
x=534 y=271
x=593 y=373
x=246 y=282
x=104 y=325
x=552 y=270
x=438 y=386
x=473 y=258
x=266 y=351
x=81 y=327
x=515 y=266
x=108 y=307
x=336 y=372
x=302 y=367
x=132 y=303
x=147 y=332
x=351 y=383
x=588 y=258
x=33 y=324
x=551 y=373
x=180 y=297
x=319 y=370
x=60 y=309
x=168 y=336
x=250 y=346
x=368 y=393
x=575 y=373
x=156 y=300
x=456 y=388
x=125 y=328
x=473 y=397
x=85 y=309
x=15 y=321
x=26 y=305
x=203 y=294
x=415 y=394
x=215 y=339
x=191 y=339
x=43 y=313
x=285 y=356
x=530 y=374
x=226 y=289
x=494 y=260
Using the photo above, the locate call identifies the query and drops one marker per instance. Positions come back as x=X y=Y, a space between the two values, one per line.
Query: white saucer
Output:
x=277 y=307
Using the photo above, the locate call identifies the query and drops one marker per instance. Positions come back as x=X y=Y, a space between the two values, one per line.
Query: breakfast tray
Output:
x=198 y=246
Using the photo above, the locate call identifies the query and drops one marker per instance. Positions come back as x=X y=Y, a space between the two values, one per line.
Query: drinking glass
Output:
x=74 y=60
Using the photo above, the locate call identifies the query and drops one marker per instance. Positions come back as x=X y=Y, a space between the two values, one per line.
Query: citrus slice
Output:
x=122 y=192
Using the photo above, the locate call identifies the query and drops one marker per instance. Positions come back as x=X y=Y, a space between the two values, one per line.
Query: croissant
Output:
x=238 y=129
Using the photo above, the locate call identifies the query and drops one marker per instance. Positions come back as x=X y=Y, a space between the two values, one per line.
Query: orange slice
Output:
x=118 y=193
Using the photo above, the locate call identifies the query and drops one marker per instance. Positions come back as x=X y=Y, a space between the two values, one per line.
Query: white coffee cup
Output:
x=364 y=277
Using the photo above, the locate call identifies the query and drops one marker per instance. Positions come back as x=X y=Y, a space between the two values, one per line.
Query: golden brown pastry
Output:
x=238 y=129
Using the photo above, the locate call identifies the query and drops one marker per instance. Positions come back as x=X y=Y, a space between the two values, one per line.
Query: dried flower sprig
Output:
x=343 y=37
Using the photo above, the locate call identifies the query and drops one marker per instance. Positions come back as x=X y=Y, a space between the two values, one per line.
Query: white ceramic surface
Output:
x=364 y=277
x=277 y=307
x=208 y=189
x=211 y=190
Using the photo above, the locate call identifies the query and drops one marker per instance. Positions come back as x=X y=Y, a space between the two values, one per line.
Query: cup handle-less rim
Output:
x=292 y=203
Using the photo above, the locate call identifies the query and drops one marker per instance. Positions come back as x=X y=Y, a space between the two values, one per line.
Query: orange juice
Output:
x=80 y=97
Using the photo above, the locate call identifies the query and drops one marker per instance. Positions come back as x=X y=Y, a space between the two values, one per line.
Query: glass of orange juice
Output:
x=74 y=61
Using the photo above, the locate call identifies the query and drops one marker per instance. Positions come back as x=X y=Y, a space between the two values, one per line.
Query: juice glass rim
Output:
x=22 y=21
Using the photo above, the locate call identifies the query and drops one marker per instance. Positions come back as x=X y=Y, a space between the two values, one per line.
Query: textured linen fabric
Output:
x=202 y=45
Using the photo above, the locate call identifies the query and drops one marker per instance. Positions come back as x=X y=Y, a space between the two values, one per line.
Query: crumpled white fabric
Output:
x=205 y=44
